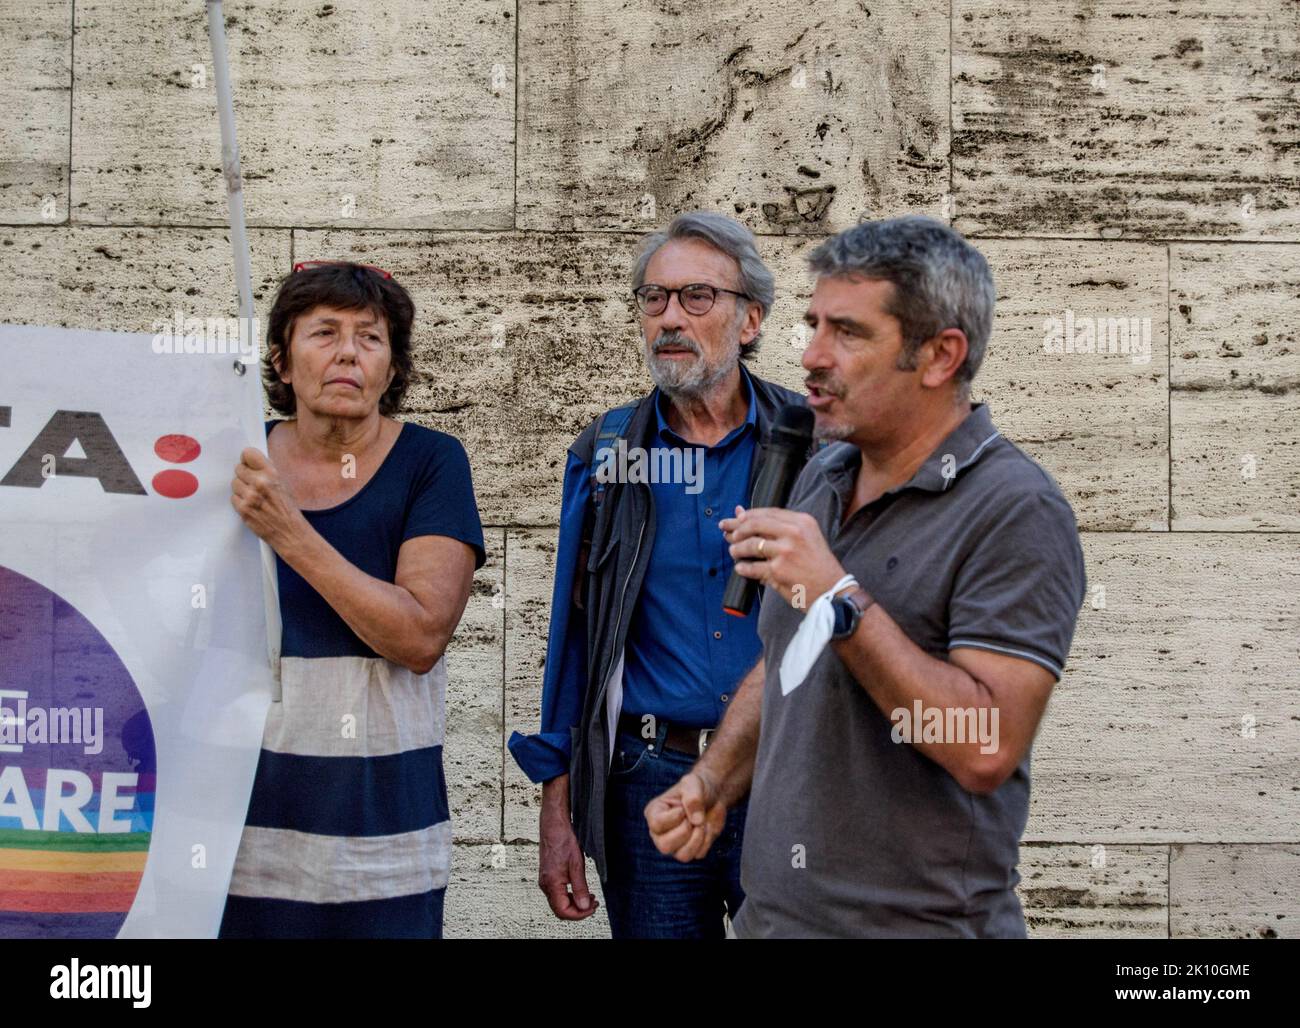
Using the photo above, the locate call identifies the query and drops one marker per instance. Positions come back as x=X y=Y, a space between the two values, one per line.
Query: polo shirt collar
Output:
x=751 y=414
x=960 y=449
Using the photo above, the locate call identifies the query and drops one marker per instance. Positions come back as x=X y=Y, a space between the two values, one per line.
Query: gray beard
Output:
x=689 y=383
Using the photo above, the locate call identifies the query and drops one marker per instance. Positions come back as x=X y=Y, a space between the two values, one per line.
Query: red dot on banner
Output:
x=176 y=449
x=175 y=485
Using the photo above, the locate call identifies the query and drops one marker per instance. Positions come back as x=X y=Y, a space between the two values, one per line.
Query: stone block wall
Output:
x=1113 y=160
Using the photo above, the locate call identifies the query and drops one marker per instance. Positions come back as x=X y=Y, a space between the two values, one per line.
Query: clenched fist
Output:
x=686 y=819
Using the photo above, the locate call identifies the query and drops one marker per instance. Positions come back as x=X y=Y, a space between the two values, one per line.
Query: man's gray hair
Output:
x=730 y=237
x=940 y=281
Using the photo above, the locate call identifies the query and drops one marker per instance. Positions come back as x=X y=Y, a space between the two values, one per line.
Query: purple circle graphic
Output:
x=77 y=771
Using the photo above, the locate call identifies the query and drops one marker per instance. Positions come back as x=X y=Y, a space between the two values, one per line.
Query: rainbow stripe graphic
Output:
x=63 y=873
x=69 y=869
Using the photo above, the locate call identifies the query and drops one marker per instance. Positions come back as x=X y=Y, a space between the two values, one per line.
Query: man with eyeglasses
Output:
x=641 y=660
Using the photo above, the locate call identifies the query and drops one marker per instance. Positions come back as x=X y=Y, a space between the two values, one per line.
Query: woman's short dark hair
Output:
x=347 y=287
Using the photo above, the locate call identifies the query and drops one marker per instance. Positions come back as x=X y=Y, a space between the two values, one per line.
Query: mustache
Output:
x=826 y=382
x=677 y=341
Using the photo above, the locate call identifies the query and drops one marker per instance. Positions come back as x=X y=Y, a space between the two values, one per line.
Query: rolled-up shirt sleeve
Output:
x=1020 y=590
x=545 y=754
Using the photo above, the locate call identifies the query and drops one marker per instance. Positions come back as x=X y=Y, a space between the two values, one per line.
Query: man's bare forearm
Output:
x=729 y=761
x=555 y=796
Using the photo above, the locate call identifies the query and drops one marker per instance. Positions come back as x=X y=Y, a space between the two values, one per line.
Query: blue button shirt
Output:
x=675 y=667
x=684 y=654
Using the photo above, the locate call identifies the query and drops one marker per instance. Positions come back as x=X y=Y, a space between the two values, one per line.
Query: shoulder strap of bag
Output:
x=609 y=430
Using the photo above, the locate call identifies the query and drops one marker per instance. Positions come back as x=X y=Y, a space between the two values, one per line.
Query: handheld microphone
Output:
x=782 y=459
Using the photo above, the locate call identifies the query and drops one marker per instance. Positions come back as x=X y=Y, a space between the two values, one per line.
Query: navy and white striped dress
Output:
x=348 y=834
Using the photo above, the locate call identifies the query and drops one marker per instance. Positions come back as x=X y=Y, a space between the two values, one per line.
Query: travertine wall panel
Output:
x=792 y=122
x=1128 y=120
x=1119 y=165
x=378 y=114
x=35 y=90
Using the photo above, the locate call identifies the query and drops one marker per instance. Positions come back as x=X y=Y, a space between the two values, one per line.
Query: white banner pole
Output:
x=251 y=417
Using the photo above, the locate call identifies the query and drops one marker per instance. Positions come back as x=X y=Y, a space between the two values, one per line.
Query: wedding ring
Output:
x=761 y=544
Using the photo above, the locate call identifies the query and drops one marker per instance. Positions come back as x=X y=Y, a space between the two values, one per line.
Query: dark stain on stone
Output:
x=730 y=59
x=1236 y=384
x=874 y=195
x=803 y=207
x=1058 y=897
x=1112 y=282
x=792 y=45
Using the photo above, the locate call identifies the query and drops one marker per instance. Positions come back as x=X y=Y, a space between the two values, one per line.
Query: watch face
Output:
x=843 y=615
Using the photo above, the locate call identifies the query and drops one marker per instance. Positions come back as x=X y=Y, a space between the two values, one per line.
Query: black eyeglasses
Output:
x=696 y=298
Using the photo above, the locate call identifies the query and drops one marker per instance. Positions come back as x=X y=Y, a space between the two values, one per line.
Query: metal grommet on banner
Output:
x=240 y=367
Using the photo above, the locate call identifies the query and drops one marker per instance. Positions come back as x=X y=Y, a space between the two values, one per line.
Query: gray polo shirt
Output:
x=850 y=833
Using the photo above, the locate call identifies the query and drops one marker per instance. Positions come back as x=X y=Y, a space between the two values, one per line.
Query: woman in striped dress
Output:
x=377 y=537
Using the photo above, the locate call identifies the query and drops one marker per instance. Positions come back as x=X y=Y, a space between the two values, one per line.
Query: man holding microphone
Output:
x=641 y=660
x=930 y=575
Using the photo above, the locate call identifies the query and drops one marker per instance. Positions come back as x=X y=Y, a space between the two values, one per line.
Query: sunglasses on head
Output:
x=309 y=265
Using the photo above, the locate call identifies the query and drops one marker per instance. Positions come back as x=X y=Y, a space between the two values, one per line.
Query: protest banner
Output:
x=134 y=672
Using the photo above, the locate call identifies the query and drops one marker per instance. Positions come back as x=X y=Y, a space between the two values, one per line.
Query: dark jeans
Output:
x=649 y=895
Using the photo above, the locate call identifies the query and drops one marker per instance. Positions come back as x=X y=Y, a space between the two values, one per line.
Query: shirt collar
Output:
x=960 y=449
x=751 y=415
